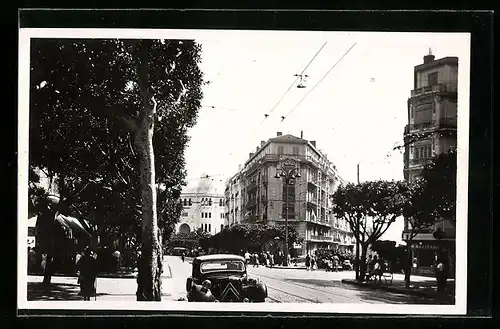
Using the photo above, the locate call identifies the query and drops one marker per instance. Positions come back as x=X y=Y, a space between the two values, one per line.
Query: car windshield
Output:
x=222 y=265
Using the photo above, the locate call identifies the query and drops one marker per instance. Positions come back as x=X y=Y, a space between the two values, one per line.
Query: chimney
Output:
x=257 y=149
x=279 y=134
x=301 y=134
x=250 y=155
x=239 y=167
x=262 y=143
x=429 y=58
x=313 y=143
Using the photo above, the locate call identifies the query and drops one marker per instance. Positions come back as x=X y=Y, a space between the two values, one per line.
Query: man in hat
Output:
x=87 y=266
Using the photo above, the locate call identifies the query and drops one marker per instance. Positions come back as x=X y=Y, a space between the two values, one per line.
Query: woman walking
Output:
x=87 y=266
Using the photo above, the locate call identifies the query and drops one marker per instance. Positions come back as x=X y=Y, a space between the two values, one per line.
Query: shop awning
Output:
x=73 y=224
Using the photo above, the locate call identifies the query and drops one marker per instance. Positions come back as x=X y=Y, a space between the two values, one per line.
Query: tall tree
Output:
x=431 y=198
x=101 y=110
x=440 y=177
x=369 y=208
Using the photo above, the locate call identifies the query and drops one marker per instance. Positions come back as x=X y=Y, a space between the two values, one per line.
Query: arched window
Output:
x=185 y=202
x=190 y=202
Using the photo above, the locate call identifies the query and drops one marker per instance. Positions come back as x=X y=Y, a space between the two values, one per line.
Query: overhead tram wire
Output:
x=266 y=115
x=334 y=65
x=295 y=81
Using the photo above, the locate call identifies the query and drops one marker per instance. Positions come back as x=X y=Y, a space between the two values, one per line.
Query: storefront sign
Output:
x=425 y=246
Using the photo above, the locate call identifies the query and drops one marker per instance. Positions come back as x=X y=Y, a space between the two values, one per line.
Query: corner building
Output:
x=431 y=130
x=254 y=194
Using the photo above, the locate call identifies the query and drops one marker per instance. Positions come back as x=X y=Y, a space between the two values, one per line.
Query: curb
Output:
x=446 y=298
x=110 y=276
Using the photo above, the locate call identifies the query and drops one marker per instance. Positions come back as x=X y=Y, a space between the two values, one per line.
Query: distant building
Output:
x=431 y=130
x=254 y=194
x=203 y=204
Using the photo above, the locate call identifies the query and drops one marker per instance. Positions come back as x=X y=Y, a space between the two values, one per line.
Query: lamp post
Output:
x=288 y=172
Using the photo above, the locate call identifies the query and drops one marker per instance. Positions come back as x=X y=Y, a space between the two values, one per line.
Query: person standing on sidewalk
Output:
x=183 y=257
x=87 y=266
x=441 y=275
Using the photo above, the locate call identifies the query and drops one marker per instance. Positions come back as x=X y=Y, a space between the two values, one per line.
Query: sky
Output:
x=356 y=113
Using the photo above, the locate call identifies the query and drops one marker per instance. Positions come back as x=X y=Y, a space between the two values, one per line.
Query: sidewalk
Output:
x=110 y=287
x=420 y=286
x=122 y=273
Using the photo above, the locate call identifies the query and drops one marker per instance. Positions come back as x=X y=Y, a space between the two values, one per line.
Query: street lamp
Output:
x=288 y=172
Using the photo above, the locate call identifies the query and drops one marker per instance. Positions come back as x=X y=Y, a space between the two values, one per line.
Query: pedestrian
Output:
x=256 y=260
x=117 y=258
x=441 y=274
x=87 y=273
x=247 y=257
x=308 y=261
x=377 y=269
x=313 y=262
x=183 y=256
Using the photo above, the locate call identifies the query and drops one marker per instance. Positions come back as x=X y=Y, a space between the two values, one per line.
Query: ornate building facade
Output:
x=431 y=130
x=255 y=195
x=203 y=204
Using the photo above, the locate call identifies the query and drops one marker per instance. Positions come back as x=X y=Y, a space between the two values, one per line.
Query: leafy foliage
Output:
x=369 y=208
x=83 y=95
x=251 y=236
x=440 y=178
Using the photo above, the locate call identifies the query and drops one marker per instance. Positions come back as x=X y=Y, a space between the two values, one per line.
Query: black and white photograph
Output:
x=245 y=170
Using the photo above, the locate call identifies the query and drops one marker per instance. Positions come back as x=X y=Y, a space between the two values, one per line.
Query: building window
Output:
x=202 y=215
x=432 y=79
x=184 y=214
x=280 y=150
x=209 y=215
x=221 y=227
x=210 y=202
x=209 y=227
x=220 y=203
x=296 y=150
x=190 y=202
x=185 y=202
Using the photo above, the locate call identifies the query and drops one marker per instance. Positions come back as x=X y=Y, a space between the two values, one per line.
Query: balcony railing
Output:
x=442 y=123
x=444 y=87
x=320 y=238
x=420 y=161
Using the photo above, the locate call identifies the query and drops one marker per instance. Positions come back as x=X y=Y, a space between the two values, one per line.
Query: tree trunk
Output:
x=356 y=263
x=362 y=270
x=47 y=273
x=409 y=261
x=149 y=285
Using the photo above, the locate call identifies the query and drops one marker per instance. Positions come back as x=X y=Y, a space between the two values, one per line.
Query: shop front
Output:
x=426 y=252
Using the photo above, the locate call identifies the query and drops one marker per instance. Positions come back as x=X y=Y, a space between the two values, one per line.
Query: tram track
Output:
x=308 y=287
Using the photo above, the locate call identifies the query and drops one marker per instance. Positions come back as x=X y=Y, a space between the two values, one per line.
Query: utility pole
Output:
x=286 y=220
x=357 y=237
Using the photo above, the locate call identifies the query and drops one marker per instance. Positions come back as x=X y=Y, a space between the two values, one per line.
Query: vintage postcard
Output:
x=234 y=170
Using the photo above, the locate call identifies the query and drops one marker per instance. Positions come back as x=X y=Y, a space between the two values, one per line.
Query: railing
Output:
x=444 y=87
x=420 y=161
x=320 y=238
x=442 y=123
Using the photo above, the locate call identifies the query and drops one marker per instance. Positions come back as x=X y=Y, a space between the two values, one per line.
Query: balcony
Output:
x=444 y=87
x=420 y=161
x=322 y=238
x=444 y=123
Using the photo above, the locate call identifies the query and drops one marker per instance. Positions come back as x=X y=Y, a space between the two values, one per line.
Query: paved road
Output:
x=301 y=286
x=284 y=286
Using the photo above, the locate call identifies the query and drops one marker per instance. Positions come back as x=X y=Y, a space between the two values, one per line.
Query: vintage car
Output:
x=223 y=278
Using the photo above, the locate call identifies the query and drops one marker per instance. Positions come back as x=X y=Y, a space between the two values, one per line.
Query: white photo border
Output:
x=25 y=36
